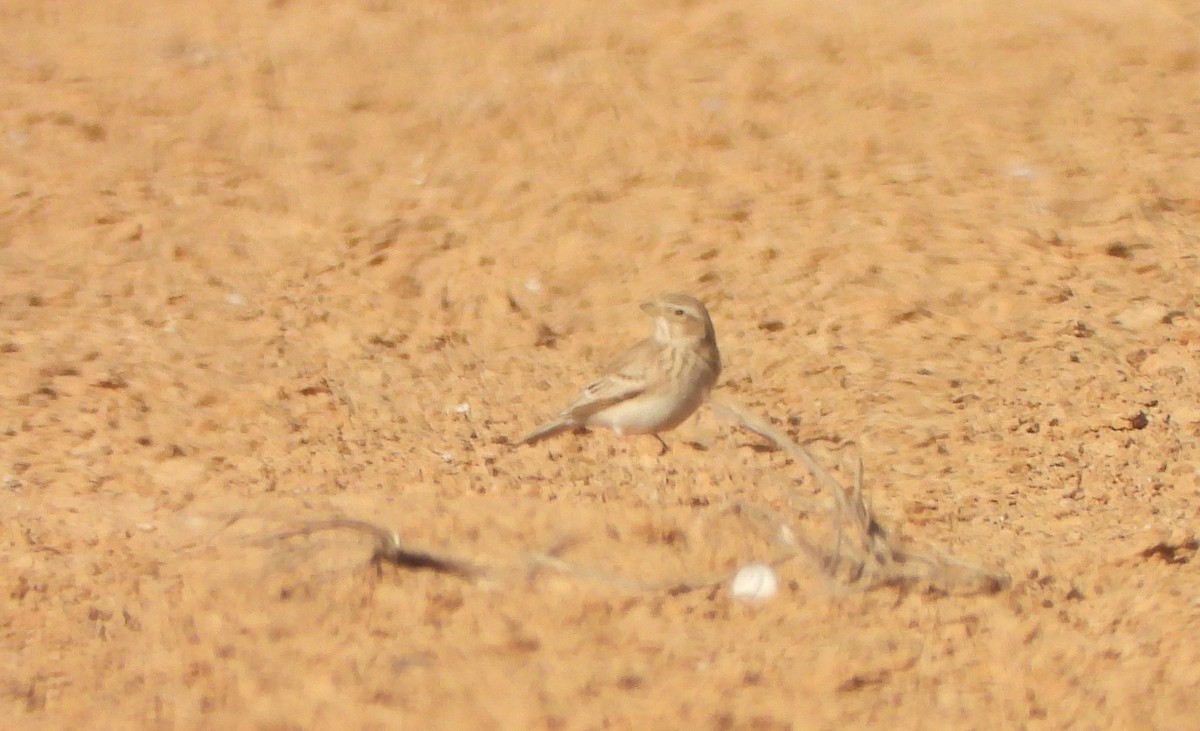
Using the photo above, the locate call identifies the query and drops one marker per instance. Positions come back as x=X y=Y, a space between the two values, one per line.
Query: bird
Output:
x=654 y=386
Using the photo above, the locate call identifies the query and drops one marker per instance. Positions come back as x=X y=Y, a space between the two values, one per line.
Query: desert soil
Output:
x=267 y=264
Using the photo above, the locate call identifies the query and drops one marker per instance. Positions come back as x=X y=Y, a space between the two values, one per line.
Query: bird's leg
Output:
x=663 y=442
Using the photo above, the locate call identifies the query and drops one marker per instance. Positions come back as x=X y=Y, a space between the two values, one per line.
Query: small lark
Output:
x=655 y=385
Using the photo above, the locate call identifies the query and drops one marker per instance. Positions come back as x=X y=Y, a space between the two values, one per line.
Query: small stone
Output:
x=755 y=581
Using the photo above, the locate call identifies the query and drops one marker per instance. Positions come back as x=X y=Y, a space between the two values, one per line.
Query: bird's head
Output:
x=679 y=319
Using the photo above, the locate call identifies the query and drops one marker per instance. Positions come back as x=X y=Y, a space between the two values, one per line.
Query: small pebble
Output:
x=755 y=581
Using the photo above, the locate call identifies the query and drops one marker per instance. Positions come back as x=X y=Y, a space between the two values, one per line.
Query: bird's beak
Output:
x=650 y=308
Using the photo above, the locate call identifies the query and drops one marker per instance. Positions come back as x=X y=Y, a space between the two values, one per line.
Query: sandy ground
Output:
x=266 y=263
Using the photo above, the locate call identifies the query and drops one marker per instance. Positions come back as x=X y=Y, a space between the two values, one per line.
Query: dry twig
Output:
x=389 y=549
x=874 y=555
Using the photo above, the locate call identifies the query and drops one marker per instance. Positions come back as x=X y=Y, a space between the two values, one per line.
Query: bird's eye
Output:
x=679 y=311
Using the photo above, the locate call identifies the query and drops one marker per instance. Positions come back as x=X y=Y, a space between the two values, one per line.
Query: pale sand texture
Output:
x=255 y=255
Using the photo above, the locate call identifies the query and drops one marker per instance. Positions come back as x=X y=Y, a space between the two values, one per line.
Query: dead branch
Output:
x=874 y=557
x=389 y=549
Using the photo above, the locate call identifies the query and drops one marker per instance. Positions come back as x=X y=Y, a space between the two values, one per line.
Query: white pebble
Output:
x=235 y=299
x=755 y=581
x=533 y=284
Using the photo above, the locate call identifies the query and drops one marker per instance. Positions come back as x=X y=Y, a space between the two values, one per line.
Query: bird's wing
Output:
x=627 y=376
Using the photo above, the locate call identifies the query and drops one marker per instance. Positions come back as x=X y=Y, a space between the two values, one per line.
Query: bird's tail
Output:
x=545 y=431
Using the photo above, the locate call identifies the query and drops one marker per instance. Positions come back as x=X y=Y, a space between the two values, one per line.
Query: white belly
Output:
x=647 y=414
